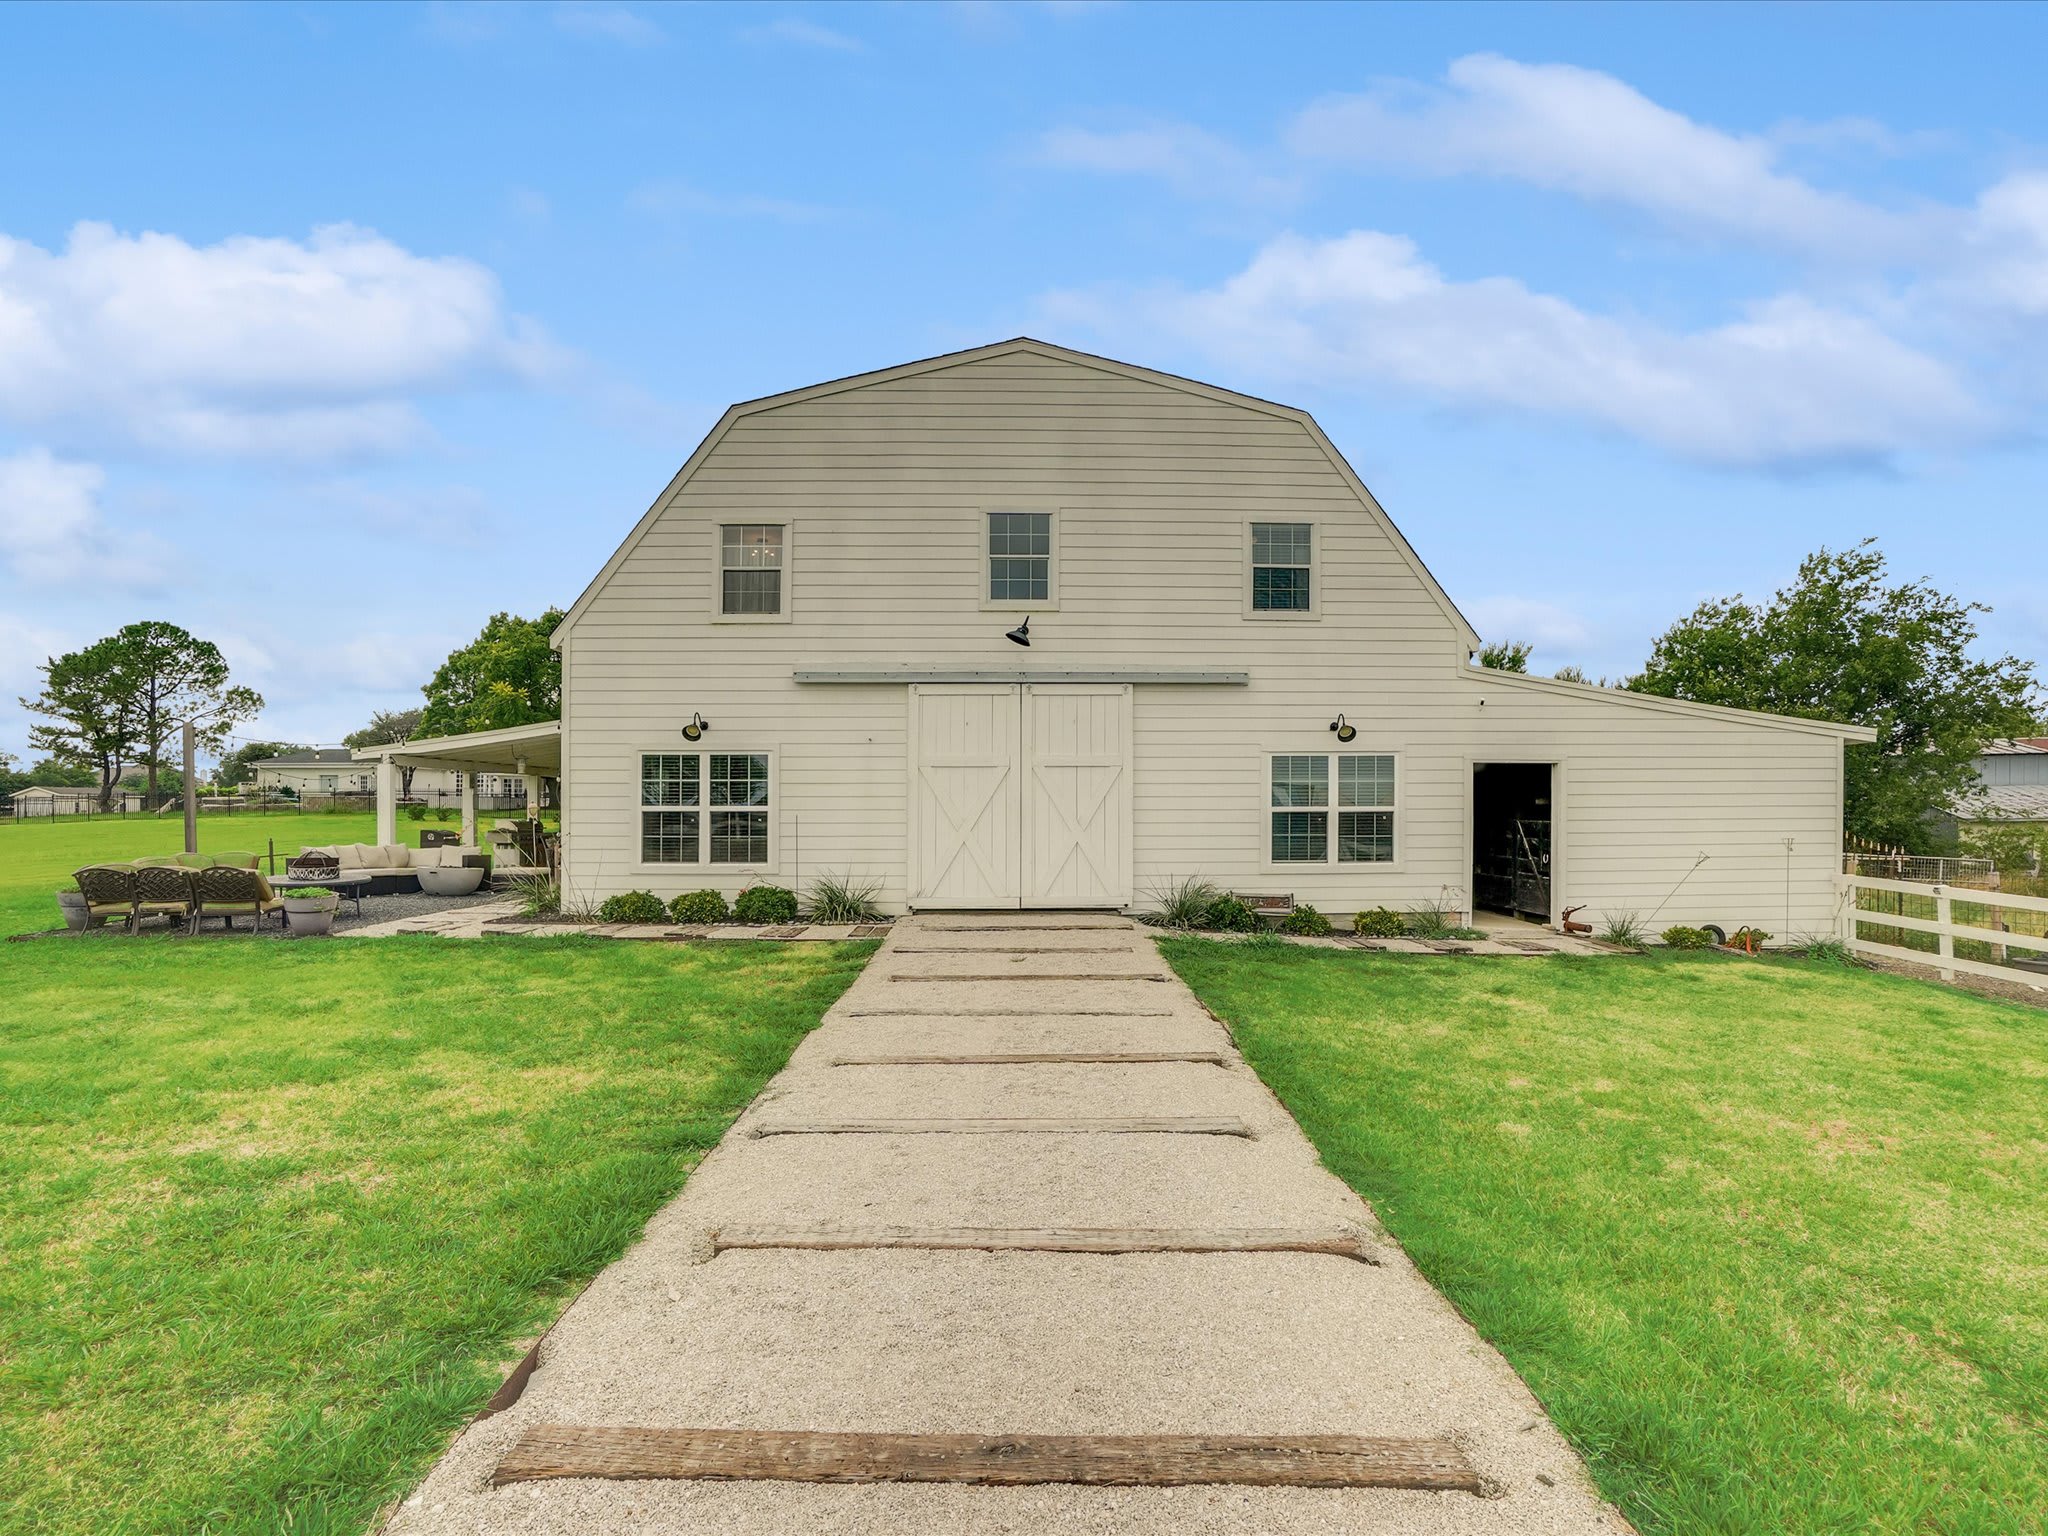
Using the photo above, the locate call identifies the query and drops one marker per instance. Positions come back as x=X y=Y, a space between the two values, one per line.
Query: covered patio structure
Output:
x=533 y=752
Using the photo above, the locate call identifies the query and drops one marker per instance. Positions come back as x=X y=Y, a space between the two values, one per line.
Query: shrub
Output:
x=1306 y=922
x=417 y=811
x=1427 y=920
x=699 y=907
x=836 y=900
x=1826 y=949
x=1227 y=914
x=1624 y=929
x=1750 y=939
x=1184 y=903
x=632 y=907
x=1379 y=923
x=1682 y=937
x=540 y=898
x=764 y=904
x=444 y=813
x=308 y=893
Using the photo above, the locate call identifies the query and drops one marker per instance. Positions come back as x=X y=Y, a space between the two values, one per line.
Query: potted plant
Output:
x=72 y=901
x=309 y=910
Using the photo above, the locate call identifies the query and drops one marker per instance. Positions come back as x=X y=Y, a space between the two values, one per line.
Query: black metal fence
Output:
x=421 y=805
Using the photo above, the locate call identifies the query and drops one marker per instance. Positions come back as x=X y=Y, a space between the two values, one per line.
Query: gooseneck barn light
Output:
x=1021 y=635
x=695 y=730
x=1344 y=729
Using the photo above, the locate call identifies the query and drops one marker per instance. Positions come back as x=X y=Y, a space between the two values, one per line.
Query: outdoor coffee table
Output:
x=350 y=887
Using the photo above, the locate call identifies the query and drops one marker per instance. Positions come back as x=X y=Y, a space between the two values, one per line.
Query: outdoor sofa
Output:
x=391 y=867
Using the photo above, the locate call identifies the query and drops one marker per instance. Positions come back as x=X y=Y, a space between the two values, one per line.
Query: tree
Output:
x=509 y=675
x=1842 y=644
x=387 y=726
x=1571 y=674
x=92 y=719
x=239 y=766
x=1506 y=656
x=60 y=775
x=175 y=677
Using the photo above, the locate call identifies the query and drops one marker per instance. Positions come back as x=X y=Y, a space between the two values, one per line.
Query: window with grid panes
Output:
x=750 y=568
x=1301 y=820
x=739 y=836
x=668 y=795
x=1020 y=557
x=1365 y=809
x=1281 y=556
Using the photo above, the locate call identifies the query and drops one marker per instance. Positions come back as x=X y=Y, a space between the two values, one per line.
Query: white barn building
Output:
x=1237 y=668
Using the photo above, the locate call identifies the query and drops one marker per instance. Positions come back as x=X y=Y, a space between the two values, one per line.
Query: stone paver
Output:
x=1014 y=1343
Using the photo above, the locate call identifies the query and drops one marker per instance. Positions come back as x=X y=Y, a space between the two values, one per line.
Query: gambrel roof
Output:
x=1042 y=349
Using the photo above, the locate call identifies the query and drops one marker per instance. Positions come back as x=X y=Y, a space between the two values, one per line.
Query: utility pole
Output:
x=191 y=788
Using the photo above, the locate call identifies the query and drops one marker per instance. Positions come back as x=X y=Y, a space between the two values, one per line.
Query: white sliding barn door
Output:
x=964 y=796
x=1077 y=796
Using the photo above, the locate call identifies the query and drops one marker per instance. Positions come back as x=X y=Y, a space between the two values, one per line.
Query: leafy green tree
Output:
x=91 y=718
x=239 y=766
x=60 y=775
x=1841 y=643
x=1506 y=655
x=174 y=676
x=509 y=675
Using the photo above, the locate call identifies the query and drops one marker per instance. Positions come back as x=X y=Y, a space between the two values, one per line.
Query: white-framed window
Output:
x=1281 y=580
x=752 y=564
x=1299 y=808
x=670 y=784
x=705 y=808
x=1020 y=560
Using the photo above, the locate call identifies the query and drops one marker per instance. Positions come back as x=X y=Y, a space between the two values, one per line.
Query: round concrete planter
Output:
x=76 y=917
x=450 y=882
x=309 y=916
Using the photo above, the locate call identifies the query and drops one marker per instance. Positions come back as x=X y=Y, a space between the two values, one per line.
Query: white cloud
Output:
x=52 y=532
x=615 y=23
x=1586 y=133
x=253 y=347
x=1789 y=383
x=806 y=34
x=1193 y=161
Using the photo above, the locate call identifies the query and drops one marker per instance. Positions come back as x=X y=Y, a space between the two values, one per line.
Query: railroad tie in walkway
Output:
x=1034 y=1058
x=1338 y=1243
x=1117 y=1461
x=991 y=1125
x=1017 y=976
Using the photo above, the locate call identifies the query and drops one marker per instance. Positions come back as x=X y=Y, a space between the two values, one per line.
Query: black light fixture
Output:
x=695 y=730
x=1344 y=729
x=1021 y=635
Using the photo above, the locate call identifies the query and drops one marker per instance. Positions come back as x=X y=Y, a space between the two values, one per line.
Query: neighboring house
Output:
x=46 y=800
x=803 y=660
x=337 y=770
x=2013 y=775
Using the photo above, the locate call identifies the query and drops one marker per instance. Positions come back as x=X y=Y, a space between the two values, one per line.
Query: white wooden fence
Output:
x=1988 y=921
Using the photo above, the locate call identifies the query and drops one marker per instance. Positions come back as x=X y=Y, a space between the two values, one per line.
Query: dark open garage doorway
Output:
x=1511 y=810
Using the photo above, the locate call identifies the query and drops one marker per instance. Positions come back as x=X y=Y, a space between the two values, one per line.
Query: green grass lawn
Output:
x=1769 y=1239
x=39 y=854
x=275 y=1218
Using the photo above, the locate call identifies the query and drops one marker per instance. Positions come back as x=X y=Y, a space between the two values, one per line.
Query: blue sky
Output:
x=326 y=332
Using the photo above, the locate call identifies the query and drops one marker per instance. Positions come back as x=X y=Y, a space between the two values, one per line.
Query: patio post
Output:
x=387 y=800
x=468 y=780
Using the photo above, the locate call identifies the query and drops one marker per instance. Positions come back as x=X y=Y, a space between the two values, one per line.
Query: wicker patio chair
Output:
x=227 y=893
x=162 y=891
x=109 y=894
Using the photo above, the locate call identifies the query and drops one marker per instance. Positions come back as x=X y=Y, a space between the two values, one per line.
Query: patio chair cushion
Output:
x=448 y=856
x=196 y=860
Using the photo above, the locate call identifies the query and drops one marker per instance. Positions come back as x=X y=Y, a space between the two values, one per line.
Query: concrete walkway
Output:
x=1014 y=1343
